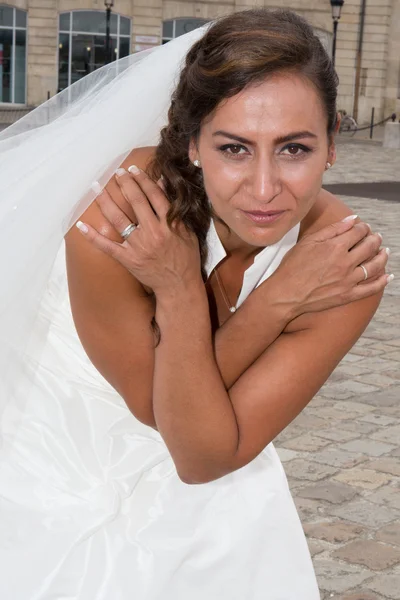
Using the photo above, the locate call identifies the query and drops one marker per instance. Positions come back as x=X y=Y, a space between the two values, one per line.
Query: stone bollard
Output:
x=391 y=137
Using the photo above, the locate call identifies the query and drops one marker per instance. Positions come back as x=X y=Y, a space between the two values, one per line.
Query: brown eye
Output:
x=235 y=149
x=296 y=150
x=293 y=149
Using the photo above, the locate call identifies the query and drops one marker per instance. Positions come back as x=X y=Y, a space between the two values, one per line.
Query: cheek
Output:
x=304 y=179
x=221 y=182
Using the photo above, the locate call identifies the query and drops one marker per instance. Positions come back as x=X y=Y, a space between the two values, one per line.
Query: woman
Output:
x=214 y=320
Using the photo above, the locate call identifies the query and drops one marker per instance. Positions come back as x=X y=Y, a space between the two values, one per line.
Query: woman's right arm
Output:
x=112 y=311
x=112 y=315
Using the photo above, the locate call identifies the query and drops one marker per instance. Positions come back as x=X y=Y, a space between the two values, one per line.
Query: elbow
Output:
x=188 y=480
x=193 y=478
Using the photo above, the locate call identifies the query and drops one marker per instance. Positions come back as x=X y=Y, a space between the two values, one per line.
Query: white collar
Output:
x=217 y=252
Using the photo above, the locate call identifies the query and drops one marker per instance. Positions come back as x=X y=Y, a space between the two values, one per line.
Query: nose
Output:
x=265 y=180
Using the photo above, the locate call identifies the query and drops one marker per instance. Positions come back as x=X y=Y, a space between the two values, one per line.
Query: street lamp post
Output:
x=109 y=5
x=336 y=10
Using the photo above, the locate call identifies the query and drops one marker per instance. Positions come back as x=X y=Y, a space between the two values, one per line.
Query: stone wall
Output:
x=42 y=50
x=380 y=86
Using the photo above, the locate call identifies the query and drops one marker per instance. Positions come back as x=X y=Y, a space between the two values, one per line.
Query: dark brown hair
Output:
x=236 y=51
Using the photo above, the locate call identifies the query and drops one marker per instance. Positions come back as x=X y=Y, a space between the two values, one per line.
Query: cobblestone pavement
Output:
x=342 y=454
x=357 y=163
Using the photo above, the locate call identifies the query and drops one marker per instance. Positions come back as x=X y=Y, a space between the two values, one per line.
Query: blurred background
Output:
x=47 y=45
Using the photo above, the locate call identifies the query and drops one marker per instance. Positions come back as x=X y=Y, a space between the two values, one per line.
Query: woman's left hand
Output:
x=160 y=257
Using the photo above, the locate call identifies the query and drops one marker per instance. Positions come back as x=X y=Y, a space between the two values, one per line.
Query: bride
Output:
x=197 y=306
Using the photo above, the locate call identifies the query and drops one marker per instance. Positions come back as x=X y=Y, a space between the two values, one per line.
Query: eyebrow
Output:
x=279 y=140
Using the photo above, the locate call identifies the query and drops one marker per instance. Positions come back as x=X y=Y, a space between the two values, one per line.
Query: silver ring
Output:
x=128 y=230
x=365 y=272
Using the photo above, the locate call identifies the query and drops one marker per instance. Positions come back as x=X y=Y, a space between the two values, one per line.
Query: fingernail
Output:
x=390 y=278
x=369 y=226
x=120 y=172
x=134 y=170
x=387 y=251
x=380 y=235
x=350 y=218
x=96 y=187
x=82 y=227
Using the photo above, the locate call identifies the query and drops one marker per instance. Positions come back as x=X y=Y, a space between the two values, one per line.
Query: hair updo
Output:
x=236 y=51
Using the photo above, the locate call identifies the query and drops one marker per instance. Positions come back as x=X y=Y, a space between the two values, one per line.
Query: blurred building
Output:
x=45 y=45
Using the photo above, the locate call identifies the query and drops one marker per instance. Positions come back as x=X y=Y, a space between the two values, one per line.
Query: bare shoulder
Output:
x=84 y=260
x=347 y=320
x=88 y=264
x=327 y=209
x=141 y=157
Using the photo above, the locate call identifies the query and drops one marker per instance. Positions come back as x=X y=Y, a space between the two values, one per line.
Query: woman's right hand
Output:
x=323 y=270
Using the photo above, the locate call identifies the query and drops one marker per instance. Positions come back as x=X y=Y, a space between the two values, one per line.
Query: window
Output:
x=176 y=27
x=82 y=43
x=12 y=55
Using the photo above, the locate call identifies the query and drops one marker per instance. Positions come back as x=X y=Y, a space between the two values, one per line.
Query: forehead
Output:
x=283 y=102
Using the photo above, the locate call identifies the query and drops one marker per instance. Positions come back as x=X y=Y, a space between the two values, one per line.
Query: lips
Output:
x=261 y=213
x=260 y=216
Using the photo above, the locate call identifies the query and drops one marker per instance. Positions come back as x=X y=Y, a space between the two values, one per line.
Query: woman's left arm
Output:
x=211 y=432
x=212 y=429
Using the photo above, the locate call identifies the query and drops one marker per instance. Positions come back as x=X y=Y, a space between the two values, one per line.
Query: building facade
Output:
x=45 y=45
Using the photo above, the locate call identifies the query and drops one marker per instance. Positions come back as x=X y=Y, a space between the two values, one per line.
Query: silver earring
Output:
x=196 y=163
x=328 y=166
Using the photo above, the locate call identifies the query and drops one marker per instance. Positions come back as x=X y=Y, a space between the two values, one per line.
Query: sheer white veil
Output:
x=48 y=161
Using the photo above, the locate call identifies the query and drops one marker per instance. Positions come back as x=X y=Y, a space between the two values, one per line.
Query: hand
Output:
x=162 y=258
x=323 y=270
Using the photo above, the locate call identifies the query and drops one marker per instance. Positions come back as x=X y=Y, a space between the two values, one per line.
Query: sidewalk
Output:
x=342 y=454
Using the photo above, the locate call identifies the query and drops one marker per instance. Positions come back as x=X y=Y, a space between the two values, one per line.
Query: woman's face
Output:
x=264 y=151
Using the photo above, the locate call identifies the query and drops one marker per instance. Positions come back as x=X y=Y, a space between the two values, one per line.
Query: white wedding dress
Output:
x=91 y=506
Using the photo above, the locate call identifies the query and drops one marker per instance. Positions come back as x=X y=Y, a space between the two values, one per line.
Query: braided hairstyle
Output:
x=236 y=51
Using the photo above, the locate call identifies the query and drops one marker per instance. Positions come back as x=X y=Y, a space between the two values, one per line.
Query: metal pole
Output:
x=371 y=133
x=108 y=49
x=359 y=58
x=335 y=26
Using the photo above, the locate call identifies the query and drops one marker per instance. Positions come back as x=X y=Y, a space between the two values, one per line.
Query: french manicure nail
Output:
x=82 y=227
x=387 y=251
x=380 y=235
x=350 y=218
x=390 y=278
x=134 y=170
x=120 y=172
x=96 y=187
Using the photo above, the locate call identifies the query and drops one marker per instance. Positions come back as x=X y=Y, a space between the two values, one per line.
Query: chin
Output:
x=261 y=236
x=265 y=236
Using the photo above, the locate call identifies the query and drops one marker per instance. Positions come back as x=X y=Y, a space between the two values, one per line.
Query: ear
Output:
x=332 y=151
x=193 y=150
x=332 y=145
x=338 y=121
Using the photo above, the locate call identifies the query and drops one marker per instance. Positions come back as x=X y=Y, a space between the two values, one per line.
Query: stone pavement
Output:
x=342 y=453
x=358 y=163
